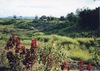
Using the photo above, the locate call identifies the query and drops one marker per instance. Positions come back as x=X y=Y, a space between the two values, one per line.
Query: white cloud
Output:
x=43 y=7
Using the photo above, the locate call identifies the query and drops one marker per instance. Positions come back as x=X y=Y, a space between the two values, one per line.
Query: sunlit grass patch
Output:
x=66 y=40
x=2 y=43
x=44 y=38
x=6 y=26
x=26 y=42
x=4 y=37
x=80 y=54
x=86 y=41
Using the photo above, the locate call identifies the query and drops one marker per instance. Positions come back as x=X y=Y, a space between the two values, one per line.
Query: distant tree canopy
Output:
x=14 y=16
x=62 y=18
x=72 y=17
x=89 y=18
x=7 y=21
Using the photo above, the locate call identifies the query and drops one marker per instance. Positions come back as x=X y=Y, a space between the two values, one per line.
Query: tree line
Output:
x=83 y=19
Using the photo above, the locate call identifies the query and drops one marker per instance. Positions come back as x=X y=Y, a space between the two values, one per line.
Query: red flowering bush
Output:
x=49 y=56
x=64 y=66
x=89 y=67
x=10 y=43
x=18 y=41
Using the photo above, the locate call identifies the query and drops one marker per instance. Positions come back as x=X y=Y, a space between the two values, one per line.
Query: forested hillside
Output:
x=85 y=23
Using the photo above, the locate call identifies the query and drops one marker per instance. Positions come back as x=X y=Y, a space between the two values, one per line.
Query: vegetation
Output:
x=74 y=37
x=85 y=23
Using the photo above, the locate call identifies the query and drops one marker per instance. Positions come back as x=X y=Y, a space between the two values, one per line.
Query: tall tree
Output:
x=62 y=18
x=90 y=18
x=71 y=17
x=14 y=16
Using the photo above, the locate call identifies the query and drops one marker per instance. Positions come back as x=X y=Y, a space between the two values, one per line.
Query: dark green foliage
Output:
x=90 y=19
x=71 y=17
x=43 y=17
x=7 y=21
x=62 y=18
x=23 y=24
x=80 y=24
x=14 y=16
x=75 y=58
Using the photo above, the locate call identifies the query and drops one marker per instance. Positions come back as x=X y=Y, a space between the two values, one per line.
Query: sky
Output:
x=55 y=8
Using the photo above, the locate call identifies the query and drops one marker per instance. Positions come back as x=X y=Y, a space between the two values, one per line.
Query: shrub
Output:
x=7 y=21
x=66 y=40
x=43 y=38
x=86 y=41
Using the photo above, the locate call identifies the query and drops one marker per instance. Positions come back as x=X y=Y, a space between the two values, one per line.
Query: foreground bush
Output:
x=38 y=57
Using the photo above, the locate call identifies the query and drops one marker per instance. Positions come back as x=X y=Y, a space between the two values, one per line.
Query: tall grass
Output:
x=78 y=54
x=86 y=41
x=66 y=40
x=59 y=39
x=26 y=42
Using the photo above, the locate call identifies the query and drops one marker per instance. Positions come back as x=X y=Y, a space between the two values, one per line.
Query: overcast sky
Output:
x=43 y=7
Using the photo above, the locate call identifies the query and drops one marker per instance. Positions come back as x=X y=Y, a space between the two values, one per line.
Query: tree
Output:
x=89 y=19
x=50 y=18
x=14 y=16
x=71 y=17
x=20 y=17
x=62 y=18
x=43 y=17
x=36 y=17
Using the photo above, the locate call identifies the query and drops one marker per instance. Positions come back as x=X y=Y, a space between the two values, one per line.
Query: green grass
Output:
x=6 y=26
x=2 y=43
x=59 y=39
x=74 y=48
x=80 y=54
x=4 y=37
x=26 y=42
x=66 y=40
x=86 y=41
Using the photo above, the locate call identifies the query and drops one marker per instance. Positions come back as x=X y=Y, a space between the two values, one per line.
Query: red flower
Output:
x=8 y=44
x=89 y=67
x=17 y=50
x=33 y=44
x=28 y=56
x=64 y=66
x=22 y=48
x=18 y=41
x=12 y=37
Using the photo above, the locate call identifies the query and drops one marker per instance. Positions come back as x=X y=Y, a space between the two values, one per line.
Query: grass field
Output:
x=65 y=48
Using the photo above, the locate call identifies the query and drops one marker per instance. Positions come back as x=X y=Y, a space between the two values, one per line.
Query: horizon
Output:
x=54 y=8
